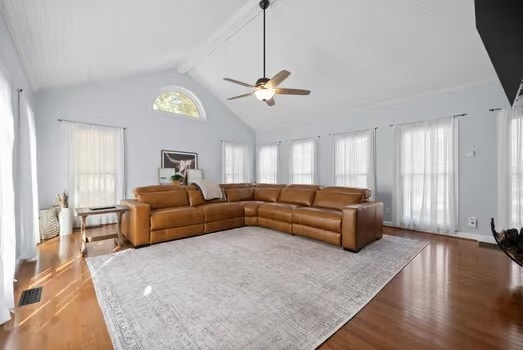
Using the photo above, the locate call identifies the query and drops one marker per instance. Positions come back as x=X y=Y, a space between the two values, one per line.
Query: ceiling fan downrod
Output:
x=264 y=4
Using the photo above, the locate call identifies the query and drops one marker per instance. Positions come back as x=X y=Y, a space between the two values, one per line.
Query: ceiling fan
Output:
x=264 y=89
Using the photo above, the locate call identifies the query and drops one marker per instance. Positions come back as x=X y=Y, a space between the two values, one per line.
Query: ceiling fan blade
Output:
x=240 y=96
x=284 y=91
x=270 y=102
x=278 y=78
x=238 y=82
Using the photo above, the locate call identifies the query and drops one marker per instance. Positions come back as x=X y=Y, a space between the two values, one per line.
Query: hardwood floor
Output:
x=453 y=295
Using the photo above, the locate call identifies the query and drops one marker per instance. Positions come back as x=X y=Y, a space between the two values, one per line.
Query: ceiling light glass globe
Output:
x=264 y=94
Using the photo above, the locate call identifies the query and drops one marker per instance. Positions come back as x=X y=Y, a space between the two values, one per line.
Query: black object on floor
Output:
x=488 y=245
x=30 y=296
x=510 y=241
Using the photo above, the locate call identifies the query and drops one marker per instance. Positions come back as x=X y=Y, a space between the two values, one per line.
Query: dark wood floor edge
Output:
x=427 y=243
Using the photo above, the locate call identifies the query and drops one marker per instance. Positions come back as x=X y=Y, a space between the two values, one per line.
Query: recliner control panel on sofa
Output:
x=343 y=216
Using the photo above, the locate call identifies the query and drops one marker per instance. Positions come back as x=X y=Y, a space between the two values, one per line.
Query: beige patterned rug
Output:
x=248 y=288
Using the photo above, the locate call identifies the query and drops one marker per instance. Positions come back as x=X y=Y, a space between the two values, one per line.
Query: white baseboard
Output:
x=465 y=235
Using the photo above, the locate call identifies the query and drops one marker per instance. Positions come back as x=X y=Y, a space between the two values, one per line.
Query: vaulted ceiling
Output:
x=350 y=53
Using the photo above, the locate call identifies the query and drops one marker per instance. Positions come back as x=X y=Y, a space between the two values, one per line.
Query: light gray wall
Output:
x=477 y=131
x=128 y=103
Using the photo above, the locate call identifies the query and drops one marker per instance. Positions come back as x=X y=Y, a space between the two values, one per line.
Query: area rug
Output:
x=247 y=288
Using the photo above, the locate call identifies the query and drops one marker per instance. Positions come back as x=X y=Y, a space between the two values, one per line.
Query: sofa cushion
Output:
x=239 y=185
x=164 y=199
x=222 y=211
x=326 y=219
x=277 y=211
x=269 y=194
x=251 y=207
x=156 y=188
x=336 y=200
x=296 y=196
x=196 y=198
x=239 y=194
x=175 y=217
x=364 y=191
x=264 y=185
x=304 y=187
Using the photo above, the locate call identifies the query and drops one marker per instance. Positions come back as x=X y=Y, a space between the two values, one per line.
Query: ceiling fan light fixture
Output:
x=264 y=94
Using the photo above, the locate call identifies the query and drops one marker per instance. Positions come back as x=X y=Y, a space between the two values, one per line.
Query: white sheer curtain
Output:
x=26 y=183
x=505 y=139
x=424 y=191
x=7 y=208
x=96 y=167
x=237 y=162
x=515 y=165
x=354 y=159
x=302 y=165
x=267 y=169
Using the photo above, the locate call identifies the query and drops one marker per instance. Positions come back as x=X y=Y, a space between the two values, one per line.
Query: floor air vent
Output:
x=30 y=296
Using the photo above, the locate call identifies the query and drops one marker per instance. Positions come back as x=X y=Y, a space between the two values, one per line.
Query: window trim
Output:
x=193 y=97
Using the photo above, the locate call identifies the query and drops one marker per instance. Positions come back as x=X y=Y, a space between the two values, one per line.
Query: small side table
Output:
x=83 y=213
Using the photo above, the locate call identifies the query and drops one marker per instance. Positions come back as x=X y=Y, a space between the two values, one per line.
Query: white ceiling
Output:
x=63 y=42
x=350 y=53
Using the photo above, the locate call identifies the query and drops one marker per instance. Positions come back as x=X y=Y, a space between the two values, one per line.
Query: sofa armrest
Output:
x=136 y=222
x=361 y=224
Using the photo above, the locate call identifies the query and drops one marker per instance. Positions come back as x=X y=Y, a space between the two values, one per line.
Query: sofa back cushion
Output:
x=304 y=187
x=336 y=200
x=364 y=191
x=297 y=196
x=196 y=197
x=239 y=194
x=164 y=199
x=239 y=185
x=264 y=185
x=155 y=188
x=266 y=194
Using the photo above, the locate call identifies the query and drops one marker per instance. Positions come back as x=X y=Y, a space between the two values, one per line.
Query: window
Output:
x=96 y=168
x=425 y=195
x=303 y=162
x=354 y=159
x=268 y=164
x=236 y=163
x=179 y=101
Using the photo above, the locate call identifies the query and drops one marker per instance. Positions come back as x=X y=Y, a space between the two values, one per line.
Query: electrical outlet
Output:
x=472 y=222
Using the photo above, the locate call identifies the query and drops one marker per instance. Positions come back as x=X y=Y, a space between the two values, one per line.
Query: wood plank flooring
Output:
x=454 y=295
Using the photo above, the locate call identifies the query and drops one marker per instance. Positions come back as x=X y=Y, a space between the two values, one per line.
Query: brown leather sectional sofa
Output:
x=338 y=215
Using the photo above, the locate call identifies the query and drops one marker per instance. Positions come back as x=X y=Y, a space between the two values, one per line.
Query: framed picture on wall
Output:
x=179 y=161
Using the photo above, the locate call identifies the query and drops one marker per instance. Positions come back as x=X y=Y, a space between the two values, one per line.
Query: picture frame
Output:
x=179 y=161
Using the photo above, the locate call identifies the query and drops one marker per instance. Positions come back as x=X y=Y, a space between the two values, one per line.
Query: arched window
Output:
x=179 y=101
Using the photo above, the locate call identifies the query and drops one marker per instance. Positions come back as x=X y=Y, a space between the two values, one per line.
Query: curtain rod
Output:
x=452 y=116
x=495 y=109
x=91 y=124
x=352 y=131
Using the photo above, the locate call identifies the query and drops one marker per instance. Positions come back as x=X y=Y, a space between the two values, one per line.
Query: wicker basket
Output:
x=49 y=225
